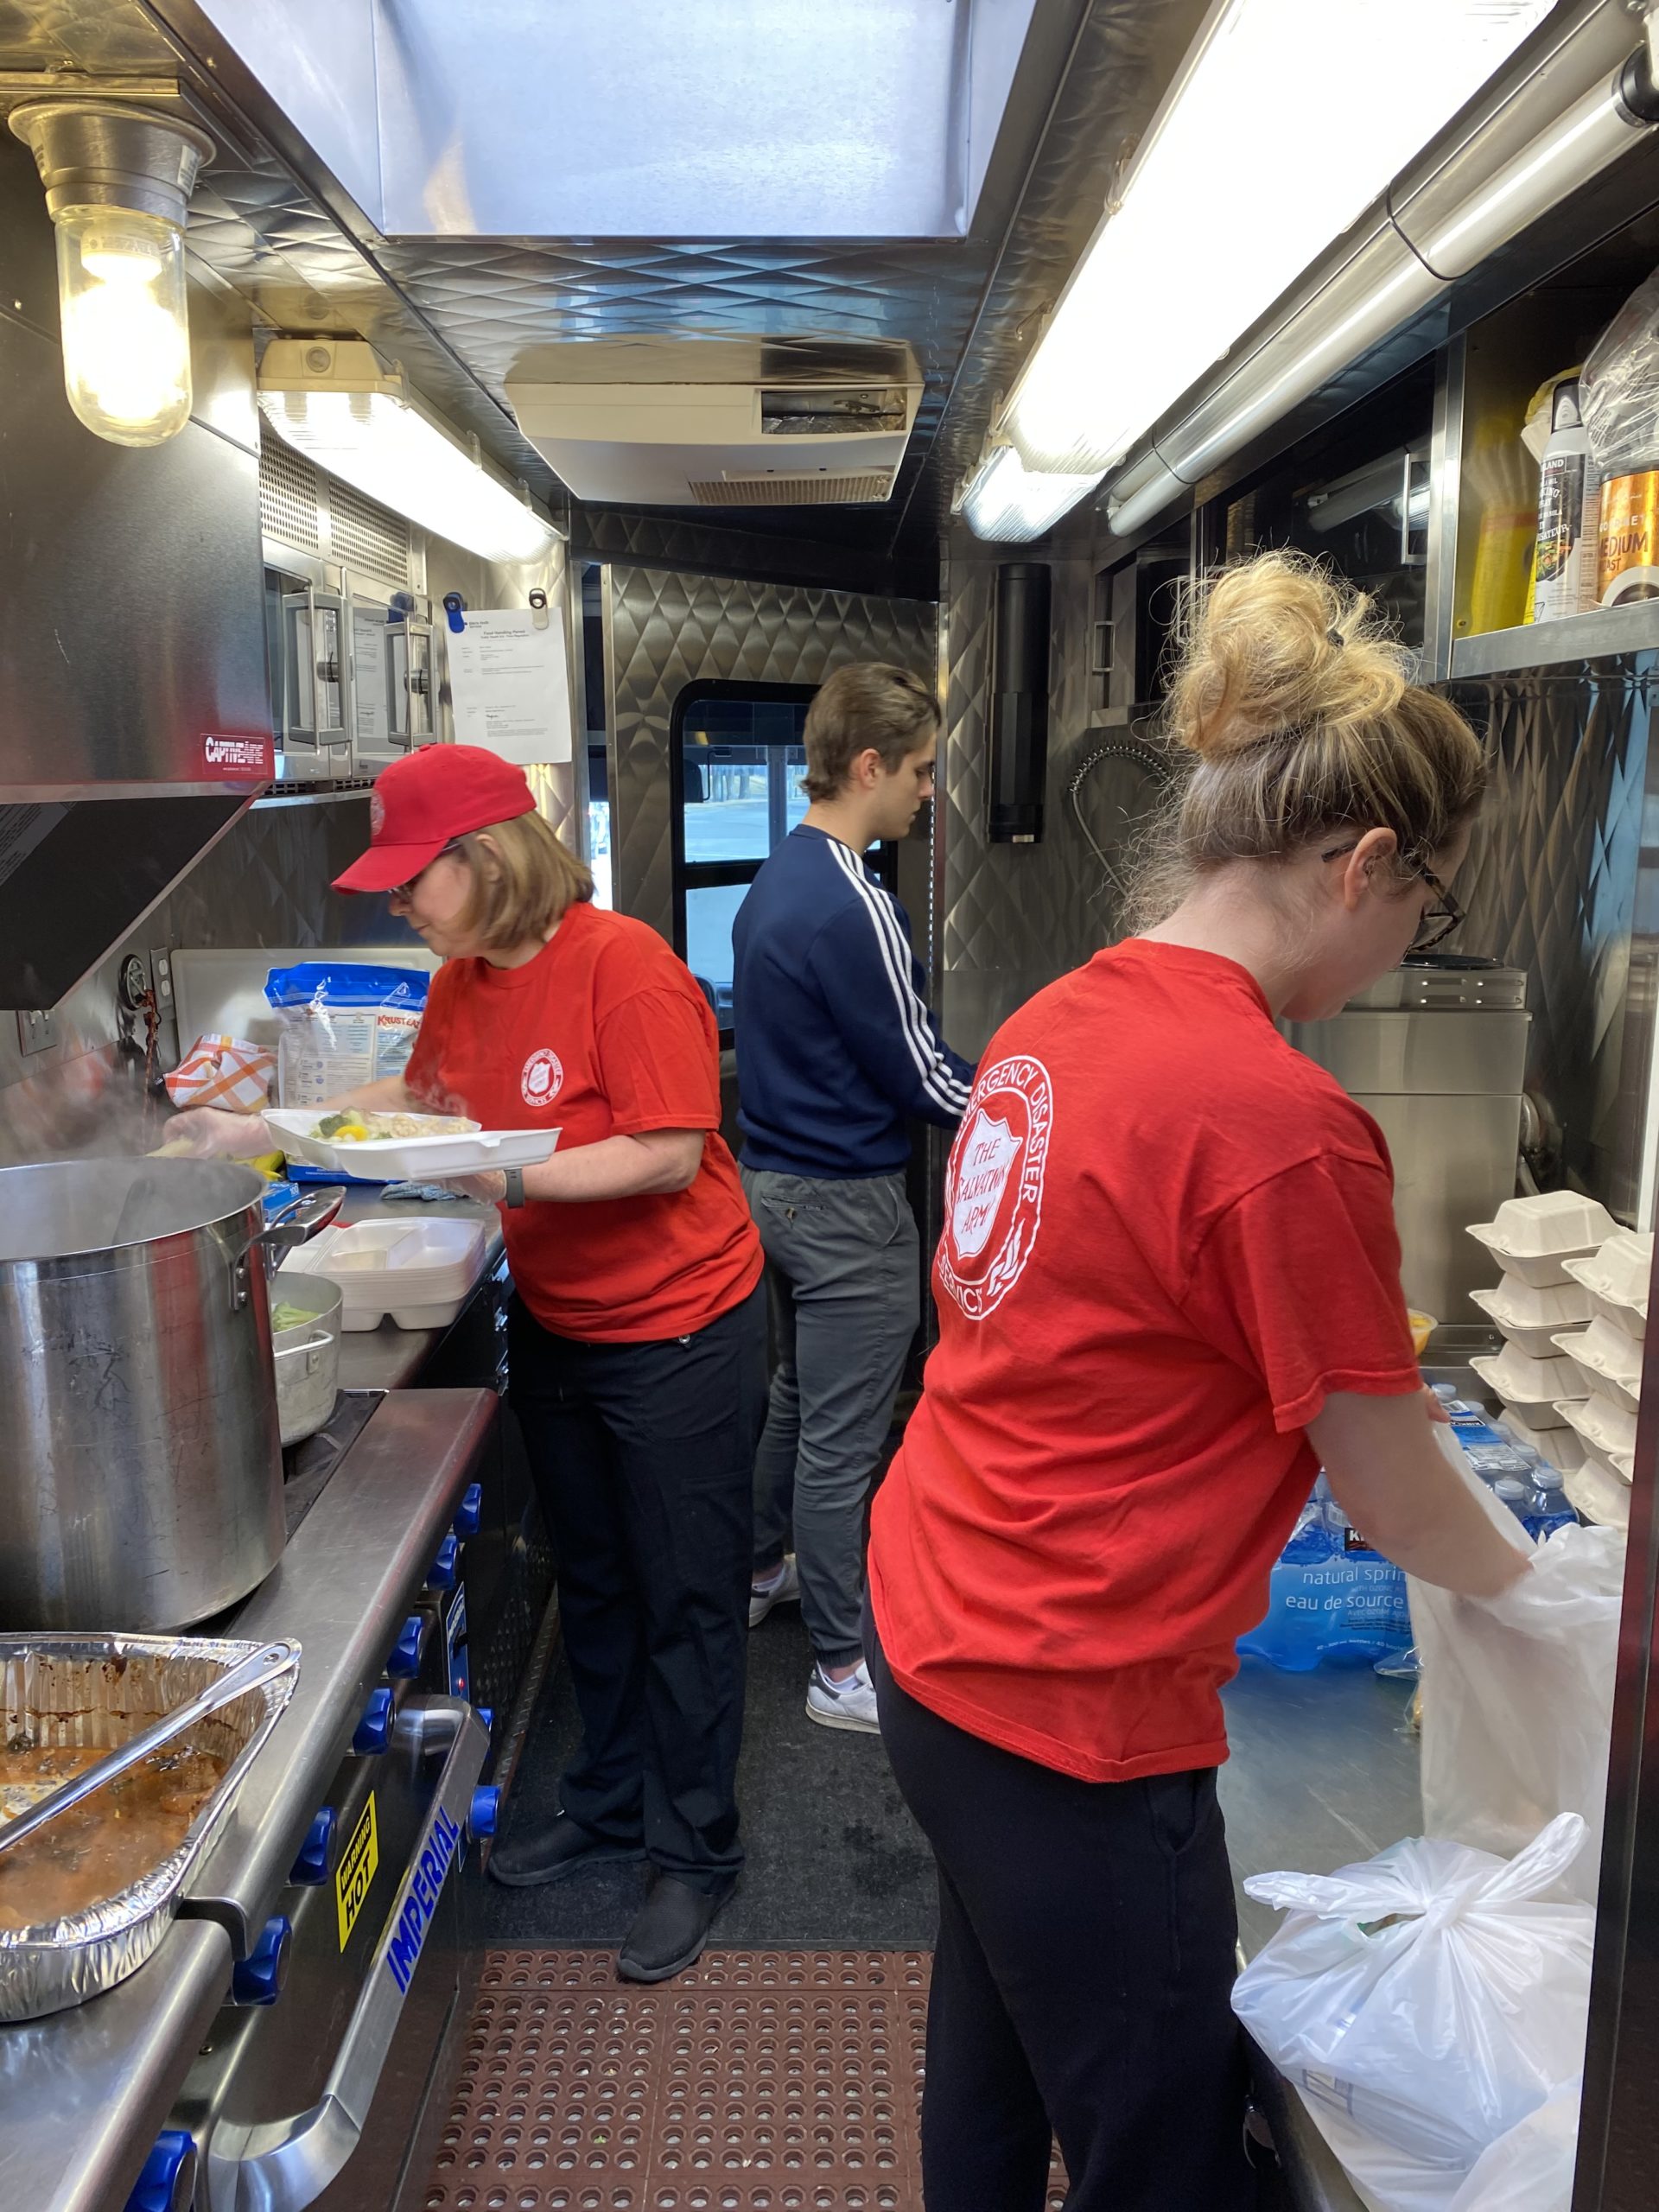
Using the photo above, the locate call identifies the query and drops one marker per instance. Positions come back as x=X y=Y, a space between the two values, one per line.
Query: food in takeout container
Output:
x=1615 y=1279
x=420 y=1271
x=444 y=1144
x=74 y=1693
x=1607 y=1427
x=1609 y=1360
x=1535 y=1387
x=1529 y=1317
x=1534 y=1237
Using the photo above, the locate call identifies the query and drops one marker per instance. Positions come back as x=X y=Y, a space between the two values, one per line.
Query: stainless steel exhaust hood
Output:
x=135 y=719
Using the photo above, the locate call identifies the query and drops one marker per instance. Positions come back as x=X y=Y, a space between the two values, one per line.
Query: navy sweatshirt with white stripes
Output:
x=834 y=1044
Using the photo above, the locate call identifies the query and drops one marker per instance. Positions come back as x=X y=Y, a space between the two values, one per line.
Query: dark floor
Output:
x=834 y=1857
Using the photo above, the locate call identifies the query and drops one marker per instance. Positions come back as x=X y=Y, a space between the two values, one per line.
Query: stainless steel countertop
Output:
x=390 y=1359
x=1322 y=1773
x=343 y=1589
x=83 y=2093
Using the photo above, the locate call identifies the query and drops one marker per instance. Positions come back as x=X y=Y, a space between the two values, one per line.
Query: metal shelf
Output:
x=1595 y=635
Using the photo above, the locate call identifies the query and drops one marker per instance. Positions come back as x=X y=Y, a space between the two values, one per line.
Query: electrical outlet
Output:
x=161 y=980
x=35 y=1030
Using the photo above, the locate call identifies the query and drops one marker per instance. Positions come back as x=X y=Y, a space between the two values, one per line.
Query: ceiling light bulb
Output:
x=118 y=181
x=126 y=331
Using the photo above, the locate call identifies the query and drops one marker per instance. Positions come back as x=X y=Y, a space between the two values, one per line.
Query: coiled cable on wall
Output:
x=1150 y=758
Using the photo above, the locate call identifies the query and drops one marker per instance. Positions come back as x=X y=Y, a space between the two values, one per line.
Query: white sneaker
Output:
x=850 y=1704
x=783 y=1589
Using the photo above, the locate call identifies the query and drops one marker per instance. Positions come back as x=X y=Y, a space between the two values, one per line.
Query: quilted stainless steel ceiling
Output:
x=460 y=312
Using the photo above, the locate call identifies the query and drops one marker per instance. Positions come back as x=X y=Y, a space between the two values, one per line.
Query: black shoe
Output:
x=669 y=1932
x=550 y=1854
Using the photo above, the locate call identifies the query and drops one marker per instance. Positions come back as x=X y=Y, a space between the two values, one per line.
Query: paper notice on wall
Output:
x=510 y=685
x=369 y=695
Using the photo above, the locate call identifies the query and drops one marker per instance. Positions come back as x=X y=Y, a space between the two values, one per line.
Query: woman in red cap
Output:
x=637 y=1339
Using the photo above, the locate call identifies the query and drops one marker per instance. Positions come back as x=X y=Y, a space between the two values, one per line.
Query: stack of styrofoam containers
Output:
x=1535 y=1241
x=420 y=1271
x=1608 y=1355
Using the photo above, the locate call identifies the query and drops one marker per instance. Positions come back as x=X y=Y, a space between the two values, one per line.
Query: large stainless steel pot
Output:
x=141 y=1480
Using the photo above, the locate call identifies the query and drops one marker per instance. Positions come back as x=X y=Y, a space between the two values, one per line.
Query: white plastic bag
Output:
x=1431 y=1995
x=1518 y=1699
x=1531 y=2168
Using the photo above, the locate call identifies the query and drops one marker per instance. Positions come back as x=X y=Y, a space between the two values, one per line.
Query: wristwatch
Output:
x=514 y=1178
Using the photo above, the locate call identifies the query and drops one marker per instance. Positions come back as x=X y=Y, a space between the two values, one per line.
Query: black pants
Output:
x=1080 y=1983
x=644 y=1458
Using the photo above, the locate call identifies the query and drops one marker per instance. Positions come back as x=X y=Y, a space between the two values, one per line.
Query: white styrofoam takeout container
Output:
x=1616 y=1278
x=1599 y=1495
x=420 y=1270
x=1529 y=1317
x=1608 y=1359
x=1533 y=1387
x=1562 y=1447
x=1532 y=1239
x=396 y=1159
x=1609 y=1429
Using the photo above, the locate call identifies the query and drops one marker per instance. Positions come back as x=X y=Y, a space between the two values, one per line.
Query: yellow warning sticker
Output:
x=354 y=1876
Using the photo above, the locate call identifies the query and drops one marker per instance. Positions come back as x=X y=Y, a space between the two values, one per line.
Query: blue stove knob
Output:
x=167 y=2183
x=310 y=1870
x=259 y=1979
x=374 y=1729
x=405 y=1659
x=440 y=1575
x=469 y=1513
x=483 y=1812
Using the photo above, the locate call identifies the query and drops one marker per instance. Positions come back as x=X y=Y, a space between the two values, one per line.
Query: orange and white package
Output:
x=224 y=1071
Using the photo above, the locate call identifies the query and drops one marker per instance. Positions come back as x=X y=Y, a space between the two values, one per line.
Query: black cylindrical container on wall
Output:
x=1019 y=759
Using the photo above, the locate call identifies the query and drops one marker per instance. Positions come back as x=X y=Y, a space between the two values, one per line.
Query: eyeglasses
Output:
x=1438 y=920
x=406 y=891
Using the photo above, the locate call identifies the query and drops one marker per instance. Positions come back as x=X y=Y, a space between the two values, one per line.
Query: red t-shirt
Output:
x=604 y=1034
x=1168 y=1235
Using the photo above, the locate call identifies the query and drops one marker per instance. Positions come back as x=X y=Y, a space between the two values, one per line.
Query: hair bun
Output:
x=1277 y=645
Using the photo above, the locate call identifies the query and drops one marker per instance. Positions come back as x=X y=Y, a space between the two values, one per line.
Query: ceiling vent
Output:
x=824 y=490
x=679 y=439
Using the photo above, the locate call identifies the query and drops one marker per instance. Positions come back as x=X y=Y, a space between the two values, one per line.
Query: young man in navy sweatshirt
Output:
x=836 y=1047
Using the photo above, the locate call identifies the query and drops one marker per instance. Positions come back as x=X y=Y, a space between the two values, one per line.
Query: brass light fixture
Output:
x=118 y=181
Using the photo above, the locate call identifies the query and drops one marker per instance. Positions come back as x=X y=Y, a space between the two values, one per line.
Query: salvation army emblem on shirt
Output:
x=993 y=1192
x=543 y=1078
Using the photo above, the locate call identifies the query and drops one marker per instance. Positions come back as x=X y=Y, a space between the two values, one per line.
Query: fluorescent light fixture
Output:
x=1006 y=501
x=1287 y=120
x=335 y=402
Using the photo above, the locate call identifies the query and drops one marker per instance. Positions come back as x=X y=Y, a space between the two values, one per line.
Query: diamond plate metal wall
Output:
x=1551 y=886
x=1014 y=916
x=664 y=630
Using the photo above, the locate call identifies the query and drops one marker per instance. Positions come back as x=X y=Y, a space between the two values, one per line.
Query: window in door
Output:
x=737 y=759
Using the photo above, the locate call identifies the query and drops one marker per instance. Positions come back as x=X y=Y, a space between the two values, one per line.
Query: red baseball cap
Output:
x=421 y=803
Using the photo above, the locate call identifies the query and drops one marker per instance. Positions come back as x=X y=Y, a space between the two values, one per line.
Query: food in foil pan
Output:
x=106 y=1843
x=79 y=1696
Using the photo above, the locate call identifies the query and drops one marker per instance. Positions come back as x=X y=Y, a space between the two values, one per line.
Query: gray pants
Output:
x=843 y=1277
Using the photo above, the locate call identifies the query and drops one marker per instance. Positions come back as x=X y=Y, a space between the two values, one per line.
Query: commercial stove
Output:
x=281 y=2048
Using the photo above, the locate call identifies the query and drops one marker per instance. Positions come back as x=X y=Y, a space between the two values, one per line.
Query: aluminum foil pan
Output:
x=98 y=1690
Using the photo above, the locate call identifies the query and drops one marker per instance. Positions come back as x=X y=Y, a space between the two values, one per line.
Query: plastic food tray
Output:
x=1615 y=1279
x=420 y=1270
x=99 y=1690
x=1608 y=1359
x=397 y=1159
x=1530 y=1318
